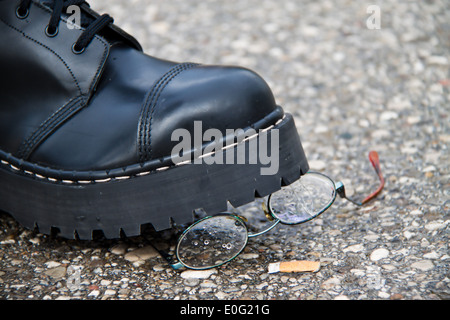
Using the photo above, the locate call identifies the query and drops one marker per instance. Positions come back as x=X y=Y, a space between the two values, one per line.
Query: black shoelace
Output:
x=58 y=7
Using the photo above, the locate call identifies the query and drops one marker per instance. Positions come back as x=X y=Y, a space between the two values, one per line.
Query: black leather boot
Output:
x=89 y=125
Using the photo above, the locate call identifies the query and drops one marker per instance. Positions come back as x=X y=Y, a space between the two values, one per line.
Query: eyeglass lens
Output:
x=212 y=241
x=304 y=199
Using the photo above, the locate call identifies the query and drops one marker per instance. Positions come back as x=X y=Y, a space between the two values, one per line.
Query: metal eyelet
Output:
x=51 y=34
x=22 y=15
x=74 y=50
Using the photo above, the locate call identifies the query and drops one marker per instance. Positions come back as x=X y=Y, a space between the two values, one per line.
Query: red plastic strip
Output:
x=375 y=160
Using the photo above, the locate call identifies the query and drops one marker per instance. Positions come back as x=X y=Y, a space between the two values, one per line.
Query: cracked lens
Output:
x=304 y=199
x=212 y=242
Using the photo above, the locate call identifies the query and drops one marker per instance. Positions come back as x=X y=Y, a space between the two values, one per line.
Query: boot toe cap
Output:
x=221 y=97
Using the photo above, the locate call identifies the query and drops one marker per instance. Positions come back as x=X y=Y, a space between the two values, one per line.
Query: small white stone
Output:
x=119 y=249
x=408 y=235
x=131 y=257
x=52 y=264
x=248 y=256
x=431 y=255
x=330 y=283
x=383 y=295
x=317 y=164
x=197 y=274
x=9 y=241
x=437 y=60
x=388 y=115
x=435 y=225
x=94 y=293
x=413 y=120
x=379 y=254
x=159 y=268
x=354 y=248
x=110 y=292
x=57 y=272
x=261 y=286
x=429 y=169
x=381 y=133
x=105 y=282
x=424 y=265
x=144 y=253
x=409 y=150
x=35 y=240
x=97 y=270
x=398 y=103
x=358 y=272
x=321 y=129
x=221 y=295
x=372 y=237
x=208 y=284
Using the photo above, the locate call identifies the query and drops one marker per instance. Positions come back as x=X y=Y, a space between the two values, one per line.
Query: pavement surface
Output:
x=355 y=81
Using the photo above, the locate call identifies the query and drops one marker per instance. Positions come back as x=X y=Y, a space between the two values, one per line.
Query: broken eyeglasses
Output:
x=216 y=240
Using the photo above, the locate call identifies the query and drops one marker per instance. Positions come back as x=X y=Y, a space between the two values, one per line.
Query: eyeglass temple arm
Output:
x=340 y=189
x=375 y=161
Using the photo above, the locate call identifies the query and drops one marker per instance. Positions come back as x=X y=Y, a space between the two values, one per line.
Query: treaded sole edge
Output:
x=160 y=198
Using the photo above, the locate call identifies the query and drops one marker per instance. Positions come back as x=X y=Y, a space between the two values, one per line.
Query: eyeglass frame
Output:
x=339 y=189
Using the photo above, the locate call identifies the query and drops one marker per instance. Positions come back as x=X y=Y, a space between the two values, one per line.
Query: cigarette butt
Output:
x=294 y=266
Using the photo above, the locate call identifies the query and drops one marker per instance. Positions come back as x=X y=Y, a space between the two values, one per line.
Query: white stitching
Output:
x=122 y=177
x=66 y=181
x=182 y=163
x=140 y=174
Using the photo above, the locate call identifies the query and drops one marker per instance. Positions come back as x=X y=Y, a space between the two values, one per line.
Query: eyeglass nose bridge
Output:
x=273 y=225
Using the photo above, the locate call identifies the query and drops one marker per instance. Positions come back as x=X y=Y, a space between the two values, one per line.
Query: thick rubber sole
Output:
x=160 y=197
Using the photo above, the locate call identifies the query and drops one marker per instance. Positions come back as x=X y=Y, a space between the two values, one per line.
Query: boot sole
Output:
x=160 y=197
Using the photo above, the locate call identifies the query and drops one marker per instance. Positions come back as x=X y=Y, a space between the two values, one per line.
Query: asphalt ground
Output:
x=355 y=81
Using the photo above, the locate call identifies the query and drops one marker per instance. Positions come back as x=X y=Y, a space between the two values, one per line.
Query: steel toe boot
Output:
x=96 y=135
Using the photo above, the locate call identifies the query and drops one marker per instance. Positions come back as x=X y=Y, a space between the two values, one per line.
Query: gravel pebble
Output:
x=379 y=254
x=423 y=265
x=197 y=274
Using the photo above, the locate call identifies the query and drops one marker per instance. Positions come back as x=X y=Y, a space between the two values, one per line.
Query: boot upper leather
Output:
x=111 y=106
